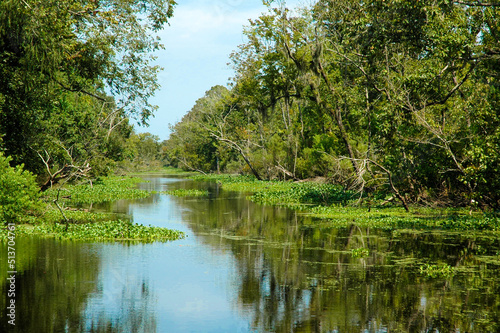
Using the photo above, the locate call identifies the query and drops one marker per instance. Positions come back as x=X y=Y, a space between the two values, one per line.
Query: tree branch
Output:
x=452 y=91
x=477 y=4
x=79 y=90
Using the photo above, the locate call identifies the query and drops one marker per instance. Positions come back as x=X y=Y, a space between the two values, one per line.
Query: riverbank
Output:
x=64 y=215
x=336 y=207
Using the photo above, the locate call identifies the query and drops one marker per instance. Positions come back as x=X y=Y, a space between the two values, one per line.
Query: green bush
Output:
x=19 y=193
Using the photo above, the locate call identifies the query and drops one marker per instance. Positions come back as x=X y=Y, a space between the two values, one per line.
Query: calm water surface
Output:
x=252 y=268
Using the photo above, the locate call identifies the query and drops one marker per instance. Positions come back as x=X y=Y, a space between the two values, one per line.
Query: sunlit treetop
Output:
x=97 y=47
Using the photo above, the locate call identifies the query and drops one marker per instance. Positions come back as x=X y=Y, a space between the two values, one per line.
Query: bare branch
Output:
x=240 y=150
x=190 y=167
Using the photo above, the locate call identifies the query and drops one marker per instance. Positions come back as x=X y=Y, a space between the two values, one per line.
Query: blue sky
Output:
x=198 y=42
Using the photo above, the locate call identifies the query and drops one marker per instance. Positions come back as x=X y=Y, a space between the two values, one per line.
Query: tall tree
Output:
x=51 y=49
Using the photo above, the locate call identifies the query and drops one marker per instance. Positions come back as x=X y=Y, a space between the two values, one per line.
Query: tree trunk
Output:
x=336 y=113
x=238 y=148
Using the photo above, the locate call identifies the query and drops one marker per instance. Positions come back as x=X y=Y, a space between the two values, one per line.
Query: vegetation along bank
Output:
x=55 y=213
x=336 y=207
x=393 y=103
x=384 y=98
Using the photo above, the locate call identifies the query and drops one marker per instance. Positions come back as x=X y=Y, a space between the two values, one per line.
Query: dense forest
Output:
x=388 y=97
x=75 y=76
x=393 y=99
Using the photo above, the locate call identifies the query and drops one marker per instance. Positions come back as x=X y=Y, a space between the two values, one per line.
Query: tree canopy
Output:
x=72 y=74
x=396 y=97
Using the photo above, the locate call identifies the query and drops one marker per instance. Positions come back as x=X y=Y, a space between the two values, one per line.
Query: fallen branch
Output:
x=286 y=172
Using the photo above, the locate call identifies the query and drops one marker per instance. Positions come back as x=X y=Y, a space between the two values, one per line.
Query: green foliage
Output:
x=382 y=97
x=186 y=193
x=192 y=145
x=52 y=216
x=102 y=190
x=337 y=207
x=304 y=193
x=437 y=271
x=72 y=74
x=485 y=222
x=81 y=224
x=100 y=231
x=19 y=193
x=360 y=252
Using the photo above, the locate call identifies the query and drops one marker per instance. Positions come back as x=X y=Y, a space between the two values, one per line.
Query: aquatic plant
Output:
x=466 y=222
x=337 y=207
x=360 y=252
x=166 y=171
x=186 y=193
x=283 y=193
x=437 y=271
x=100 y=231
x=74 y=216
x=102 y=190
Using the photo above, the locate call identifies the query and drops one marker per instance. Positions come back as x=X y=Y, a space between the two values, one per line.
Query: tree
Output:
x=53 y=50
x=389 y=96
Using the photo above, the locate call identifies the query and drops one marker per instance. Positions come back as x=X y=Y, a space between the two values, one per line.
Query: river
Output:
x=245 y=267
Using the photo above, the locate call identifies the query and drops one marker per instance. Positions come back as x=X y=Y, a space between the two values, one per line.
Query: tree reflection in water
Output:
x=293 y=277
x=134 y=312
x=58 y=282
x=288 y=276
x=53 y=283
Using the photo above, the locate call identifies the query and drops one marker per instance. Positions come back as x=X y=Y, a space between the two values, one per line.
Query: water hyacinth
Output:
x=103 y=231
x=437 y=271
x=360 y=252
x=283 y=193
x=337 y=207
x=186 y=193
x=77 y=224
x=102 y=190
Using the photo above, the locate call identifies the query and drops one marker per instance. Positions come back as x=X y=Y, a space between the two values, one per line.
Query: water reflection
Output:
x=291 y=277
x=53 y=282
x=246 y=268
x=124 y=301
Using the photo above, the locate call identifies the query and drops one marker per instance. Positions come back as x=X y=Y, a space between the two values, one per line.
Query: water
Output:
x=252 y=268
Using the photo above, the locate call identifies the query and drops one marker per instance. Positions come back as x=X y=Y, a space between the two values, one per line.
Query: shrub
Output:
x=19 y=192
